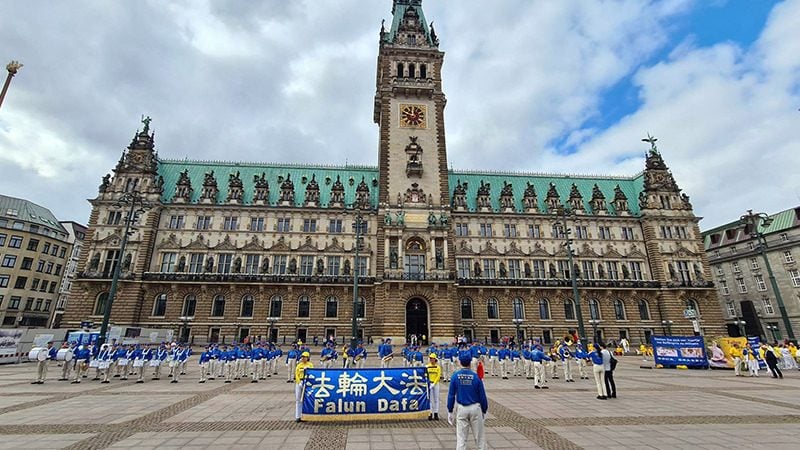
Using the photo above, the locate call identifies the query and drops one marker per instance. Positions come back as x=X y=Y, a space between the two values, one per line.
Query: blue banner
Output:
x=689 y=351
x=365 y=393
x=755 y=344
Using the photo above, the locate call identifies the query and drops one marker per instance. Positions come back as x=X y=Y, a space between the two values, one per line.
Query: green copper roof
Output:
x=631 y=186
x=781 y=221
x=399 y=11
x=13 y=208
x=350 y=176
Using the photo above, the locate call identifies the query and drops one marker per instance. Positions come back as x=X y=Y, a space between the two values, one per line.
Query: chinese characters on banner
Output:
x=689 y=351
x=367 y=393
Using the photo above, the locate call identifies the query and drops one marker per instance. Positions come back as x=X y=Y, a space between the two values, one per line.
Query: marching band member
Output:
x=417 y=358
x=95 y=350
x=386 y=353
x=182 y=366
x=566 y=360
x=204 y=361
x=230 y=363
x=404 y=352
x=120 y=363
x=555 y=357
x=218 y=362
x=751 y=356
x=41 y=365
x=104 y=361
x=468 y=391
x=537 y=358
x=527 y=363
x=504 y=357
x=515 y=361
x=179 y=358
x=291 y=362
x=242 y=357
x=493 y=360
x=299 y=377
x=276 y=353
x=158 y=360
x=326 y=356
x=434 y=375
x=172 y=359
x=82 y=356
x=257 y=363
x=67 y=368
x=360 y=355
x=581 y=359
x=141 y=358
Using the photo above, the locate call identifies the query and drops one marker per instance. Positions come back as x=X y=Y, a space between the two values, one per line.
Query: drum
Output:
x=94 y=363
x=122 y=362
x=104 y=365
x=37 y=354
x=138 y=362
x=64 y=354
x=155 y=362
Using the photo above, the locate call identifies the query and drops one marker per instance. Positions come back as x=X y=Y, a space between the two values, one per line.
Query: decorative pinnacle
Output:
x=652 y=140
x=13 y=67
x=146 y=121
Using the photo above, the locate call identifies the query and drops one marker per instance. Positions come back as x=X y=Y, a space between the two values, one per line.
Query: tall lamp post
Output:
x=668 y=325
x=184 y=336
x=12 y=68
x=594 y=323
x=271 y=321
x=562 y=214
x=754 y=220
x=517 y=322
x=137 y=205
x=741 y=323
x=358 y=228
x=774 y=331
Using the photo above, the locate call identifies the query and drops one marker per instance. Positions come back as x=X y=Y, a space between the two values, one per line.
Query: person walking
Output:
x=609 y=364
x=772 y=361
x=467 y=390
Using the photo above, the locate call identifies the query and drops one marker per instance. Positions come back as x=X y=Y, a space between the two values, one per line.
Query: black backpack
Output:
x=613 y=362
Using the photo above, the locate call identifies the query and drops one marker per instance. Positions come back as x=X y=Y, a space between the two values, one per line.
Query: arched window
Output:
x=247 y=306
x=466 y=308
x=644 y=310
x=303 y=306
x=594 y=309
x=492 y=310
x=519 y=308
x=544 y=309
x=218 y=306
x=275 y=306
x=400 y=70
x=619 y=310
x=361 y=308
x=423 y=71
x=692 y=304
x=100 y=304
x=412 y=70
x=569 y=309
x=331 y=307
x=160 y=305
x=189 y=305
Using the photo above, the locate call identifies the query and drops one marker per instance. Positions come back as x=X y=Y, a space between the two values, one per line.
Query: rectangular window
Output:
x=203 y=222
x=3 y=237
x=681 y=232
x=557 y=232
x=627 y=234
x=49 y=268
x=719 y=270
x=284 y=225
x=462 y=229
x=636 y=270
x=196 y=262
x=754 y=263
x=14 y=302
x=9 y=261
x=611 y=270
x=33 y=245
x=563 y=268
x=256 y=224
x=723 y=286
x=43 y=287
x=310 y=225
x=15 y=242
x=794 y=274
x=230 y=223
x=683 y=271
x=768 y=306
x=604 y=233
x=29 y=304
x=742 y=286
x=510 y=230
x=760 y=284
x=539 y=270
x=4 y=280
x=63 y=252
x=735 y=267
x=252 y=263
x=35 y=284
x=306 y=265
x=54 y=251
x=40 y=266
x=587 y=269
x=514 y=270
x=534 y=231
x=733 y=249
x=463 y=267
x=47 y=304
x=26 y=263
x=58 y=269
x=335 y=226
x=485 y=230
x=21 y=282
x=114 y=218
x=581 y=233
x=279 y=265
x=362 y=266
x=224 y=262
x=333 y=265
x=666 y=232
x=175 y=222
x=489 y=268
x=168 y=261
x=415 y=264
x=787 y=256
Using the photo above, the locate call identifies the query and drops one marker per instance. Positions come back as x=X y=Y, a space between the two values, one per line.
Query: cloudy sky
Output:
x=540 y=86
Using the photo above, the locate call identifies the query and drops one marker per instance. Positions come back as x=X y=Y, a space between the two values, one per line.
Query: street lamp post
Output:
x=754 y=220
x=184 y=337
x=562 y=213
x=594 y=323
x=137 y=205
x=271 y=321
x=773 y=330
x=741 y=323
x=517 y=323
x=668 y=325
x=358 y=227
x=12 y=68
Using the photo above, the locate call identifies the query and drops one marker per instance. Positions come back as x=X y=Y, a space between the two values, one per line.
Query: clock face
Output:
x=413 y=116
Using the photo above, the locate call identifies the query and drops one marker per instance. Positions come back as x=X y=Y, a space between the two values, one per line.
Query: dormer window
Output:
x=412 y=39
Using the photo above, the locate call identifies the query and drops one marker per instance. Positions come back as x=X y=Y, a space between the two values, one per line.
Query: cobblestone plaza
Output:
x=666 y=409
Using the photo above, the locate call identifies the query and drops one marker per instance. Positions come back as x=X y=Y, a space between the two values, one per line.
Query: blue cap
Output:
x=465 y=358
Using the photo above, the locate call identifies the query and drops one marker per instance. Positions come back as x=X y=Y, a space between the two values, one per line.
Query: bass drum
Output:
x=37 y=354
x=64 y=354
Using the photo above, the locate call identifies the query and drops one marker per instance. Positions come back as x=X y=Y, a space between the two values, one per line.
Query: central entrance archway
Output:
x=417 y=320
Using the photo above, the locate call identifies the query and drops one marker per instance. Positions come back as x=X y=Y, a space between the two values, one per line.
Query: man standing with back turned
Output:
x=467 y=390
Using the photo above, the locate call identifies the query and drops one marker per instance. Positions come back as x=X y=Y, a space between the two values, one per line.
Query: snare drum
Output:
x=122 y=362
x=102 y=365
x=155 y=362
x=94 y=363
x=65 y=354
x=37 y=354
x=138 y=362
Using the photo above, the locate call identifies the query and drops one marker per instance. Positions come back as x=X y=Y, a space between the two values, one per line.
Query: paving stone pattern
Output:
x=666 y=409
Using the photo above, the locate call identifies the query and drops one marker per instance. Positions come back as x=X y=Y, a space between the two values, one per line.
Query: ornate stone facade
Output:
x=444 y=253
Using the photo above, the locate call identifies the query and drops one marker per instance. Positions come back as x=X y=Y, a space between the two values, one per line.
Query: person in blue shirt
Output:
x=205 y=358
x=82 y=356
x=275 y=353
x=326 y=356
x=179 y=358
x=567 y=358
x=386 y=353
x=493 y=360
x=504 y=357
x=599 y=372
x=581 y=357
x=466 y=389
x=538 y=357
x=292 y=356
